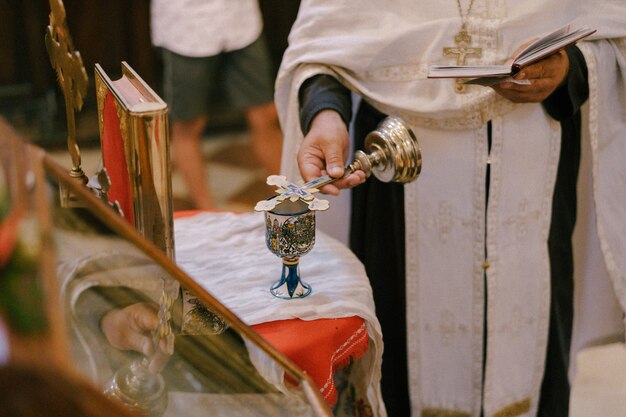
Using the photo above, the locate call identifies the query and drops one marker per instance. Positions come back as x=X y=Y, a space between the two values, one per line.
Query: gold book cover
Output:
x=134 y=138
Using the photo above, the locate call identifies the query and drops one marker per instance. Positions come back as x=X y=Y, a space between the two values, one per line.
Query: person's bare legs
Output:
x=186 y=146
x=265 y=135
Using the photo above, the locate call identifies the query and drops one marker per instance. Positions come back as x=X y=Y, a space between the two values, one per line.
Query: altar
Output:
x=107 y=244
x=273 y=356
x=324 y=332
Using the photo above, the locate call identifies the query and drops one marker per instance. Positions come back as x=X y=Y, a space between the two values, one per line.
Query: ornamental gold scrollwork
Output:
x=71 y=75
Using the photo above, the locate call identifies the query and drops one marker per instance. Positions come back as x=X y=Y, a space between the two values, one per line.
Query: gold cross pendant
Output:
x=462 y=50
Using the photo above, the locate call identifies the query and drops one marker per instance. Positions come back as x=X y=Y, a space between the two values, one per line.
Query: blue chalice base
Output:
x=290 y=285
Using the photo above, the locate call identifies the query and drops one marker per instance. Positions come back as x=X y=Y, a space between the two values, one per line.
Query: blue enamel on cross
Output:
x=288 y=190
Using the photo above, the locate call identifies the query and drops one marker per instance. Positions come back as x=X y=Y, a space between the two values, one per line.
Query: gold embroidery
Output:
x=447 y=326
x=440 y=412
x=446 y=221
x=515 y=409
x=512 y=410
x=523 y=220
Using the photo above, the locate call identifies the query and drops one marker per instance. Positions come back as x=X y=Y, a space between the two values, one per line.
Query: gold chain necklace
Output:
x=462 y=40
x=463 y=36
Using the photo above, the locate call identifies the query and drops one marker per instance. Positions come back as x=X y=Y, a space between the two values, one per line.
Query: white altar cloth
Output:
x=227 y=255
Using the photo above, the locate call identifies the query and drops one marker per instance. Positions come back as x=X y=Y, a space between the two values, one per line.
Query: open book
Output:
x=536 y=51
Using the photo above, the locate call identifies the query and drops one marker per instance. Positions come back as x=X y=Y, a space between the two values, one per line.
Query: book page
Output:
x=536 y=51
x=127 y=91
x=487 y=81
x=134 y=99
x=551 y=44
x=469 y=71
x=539 y=43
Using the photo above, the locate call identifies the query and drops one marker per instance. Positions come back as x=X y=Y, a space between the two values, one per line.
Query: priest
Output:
x=471 y=265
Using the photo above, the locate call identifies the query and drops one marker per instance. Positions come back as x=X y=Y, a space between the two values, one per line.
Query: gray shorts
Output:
x=192 y=86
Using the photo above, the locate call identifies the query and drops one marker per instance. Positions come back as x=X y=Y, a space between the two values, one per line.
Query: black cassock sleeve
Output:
x=323 y=92
x=565 y=102
x=563 y=105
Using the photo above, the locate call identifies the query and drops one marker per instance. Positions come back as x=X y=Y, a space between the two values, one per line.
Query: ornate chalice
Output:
x=290 y=234
x=391 y=153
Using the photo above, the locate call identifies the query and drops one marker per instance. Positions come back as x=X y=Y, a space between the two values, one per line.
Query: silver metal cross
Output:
x=289 y=191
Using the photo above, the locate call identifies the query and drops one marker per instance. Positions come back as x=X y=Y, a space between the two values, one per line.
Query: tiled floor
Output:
x=599 y=389
x=235 y=180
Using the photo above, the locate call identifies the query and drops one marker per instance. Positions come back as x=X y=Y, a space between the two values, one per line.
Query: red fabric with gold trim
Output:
x=319 y=347
x=114 y=159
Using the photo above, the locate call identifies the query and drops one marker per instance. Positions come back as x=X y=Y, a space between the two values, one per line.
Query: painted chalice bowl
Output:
x=290 y=234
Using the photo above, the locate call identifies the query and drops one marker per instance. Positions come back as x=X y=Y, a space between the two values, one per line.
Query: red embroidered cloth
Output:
x=320 y=347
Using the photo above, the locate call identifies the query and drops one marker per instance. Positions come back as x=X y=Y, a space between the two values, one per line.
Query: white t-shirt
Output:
x=201 y=28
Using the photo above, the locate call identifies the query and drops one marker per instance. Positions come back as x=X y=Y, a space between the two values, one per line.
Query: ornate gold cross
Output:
x=462 y=51
x=72 y=77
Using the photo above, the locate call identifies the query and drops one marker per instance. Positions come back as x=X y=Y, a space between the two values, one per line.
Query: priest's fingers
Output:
x=536 y=92
x=311 y=161
x=130 y=328
x=548 y=74
x=545 y=77
x=554 y=68
x=352 y=180
x=324 y=149
x=533 y=93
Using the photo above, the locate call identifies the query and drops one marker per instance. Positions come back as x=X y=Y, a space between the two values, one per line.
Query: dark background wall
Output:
x=105 y=32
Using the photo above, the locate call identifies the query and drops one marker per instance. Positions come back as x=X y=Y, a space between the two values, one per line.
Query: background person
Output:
x=210 y=47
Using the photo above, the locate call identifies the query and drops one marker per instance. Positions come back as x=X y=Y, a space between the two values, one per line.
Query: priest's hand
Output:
x=545 y=77
x=324 y=151
x=131 y=328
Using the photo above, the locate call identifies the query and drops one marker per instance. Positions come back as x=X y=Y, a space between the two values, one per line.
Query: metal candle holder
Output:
x=393 y=153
